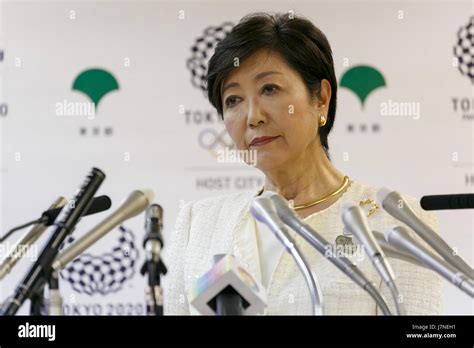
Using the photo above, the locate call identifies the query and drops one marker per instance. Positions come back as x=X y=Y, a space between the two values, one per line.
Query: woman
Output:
x=272 y=80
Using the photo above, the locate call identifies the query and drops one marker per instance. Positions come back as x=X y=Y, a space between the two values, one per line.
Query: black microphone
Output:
x=99 y=204
x=444 y=202
x=154 y=266
x=153 y=225
x=40 y=272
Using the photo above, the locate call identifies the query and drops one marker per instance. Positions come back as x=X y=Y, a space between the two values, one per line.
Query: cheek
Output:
x=304 y=126
x=295 y=120
x=236 y=130
x=277 y=107
x=288 y=113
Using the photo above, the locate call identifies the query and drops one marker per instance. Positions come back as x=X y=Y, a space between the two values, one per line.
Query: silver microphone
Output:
x=289 y=217
x=262 y=209
x=26 y=241
x=355 y=221
x=133 y=205
x=390 y=251
x=400 y=237
x=397 y=207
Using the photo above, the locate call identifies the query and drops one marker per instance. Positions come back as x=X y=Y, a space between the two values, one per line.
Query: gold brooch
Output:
x=344 y=239
x=373 y=206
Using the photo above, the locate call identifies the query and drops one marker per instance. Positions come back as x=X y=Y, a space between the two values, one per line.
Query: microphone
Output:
x=154 y=266
x=397 y=207
x=153 y=225
x=133 y=205
x=390 y=251
x=355 y=221
x=452 y=201
x=67 y=220
x=228 y=289
x=98 y=205
x=263 y=210
x=24 y=243
x=399 y=237
x=290 y=218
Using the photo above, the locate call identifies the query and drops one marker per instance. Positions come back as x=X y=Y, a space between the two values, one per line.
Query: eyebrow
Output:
x=257 y=77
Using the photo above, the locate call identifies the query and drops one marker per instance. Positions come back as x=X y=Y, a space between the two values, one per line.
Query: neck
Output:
x=305 y=179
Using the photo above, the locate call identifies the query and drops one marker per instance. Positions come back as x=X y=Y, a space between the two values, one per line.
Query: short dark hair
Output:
x=302 y=45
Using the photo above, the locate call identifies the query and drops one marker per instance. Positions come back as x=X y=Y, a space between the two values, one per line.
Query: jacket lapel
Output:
x=245 y=245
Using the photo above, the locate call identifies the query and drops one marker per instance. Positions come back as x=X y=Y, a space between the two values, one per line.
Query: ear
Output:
x=325 y=96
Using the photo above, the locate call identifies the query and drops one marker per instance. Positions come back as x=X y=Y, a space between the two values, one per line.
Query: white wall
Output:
x=145 y=45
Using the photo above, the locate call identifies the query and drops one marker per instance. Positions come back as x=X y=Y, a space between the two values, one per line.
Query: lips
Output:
x=262 y=140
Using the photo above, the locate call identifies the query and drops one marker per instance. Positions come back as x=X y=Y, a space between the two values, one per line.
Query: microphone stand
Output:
x=37 y=302
x=55 y=301
x=154 y=299
x=53 y=305
x=229 y=302
x=154 y=266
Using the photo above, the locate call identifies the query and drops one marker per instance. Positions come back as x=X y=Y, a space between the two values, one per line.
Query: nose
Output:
x=255 y=115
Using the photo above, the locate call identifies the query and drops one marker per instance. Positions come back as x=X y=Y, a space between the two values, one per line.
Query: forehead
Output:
x=261 y=60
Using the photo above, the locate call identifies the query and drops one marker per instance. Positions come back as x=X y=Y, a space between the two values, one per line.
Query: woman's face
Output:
x=264 y=97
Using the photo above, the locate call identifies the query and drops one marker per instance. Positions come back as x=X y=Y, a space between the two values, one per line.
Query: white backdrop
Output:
x=155 y=130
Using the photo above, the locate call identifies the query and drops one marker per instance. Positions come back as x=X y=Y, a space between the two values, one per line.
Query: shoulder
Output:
x=225 y=206
x=199 y=219
x=231 y=200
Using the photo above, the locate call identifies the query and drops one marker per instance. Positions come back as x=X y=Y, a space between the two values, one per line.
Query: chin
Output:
x=268 y=162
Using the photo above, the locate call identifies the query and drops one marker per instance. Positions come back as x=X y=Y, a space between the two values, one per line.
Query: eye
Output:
x=231 y=101
x=269 y=89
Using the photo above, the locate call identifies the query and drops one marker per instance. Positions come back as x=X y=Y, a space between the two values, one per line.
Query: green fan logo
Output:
x=95 y=83
x=362 y=80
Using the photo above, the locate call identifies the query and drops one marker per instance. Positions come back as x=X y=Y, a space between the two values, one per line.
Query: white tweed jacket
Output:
x=224 y=225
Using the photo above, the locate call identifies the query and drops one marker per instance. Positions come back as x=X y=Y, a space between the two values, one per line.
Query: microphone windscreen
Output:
x=395 y=231
x=381 y=195
x=99 y=204
x=149 y=194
